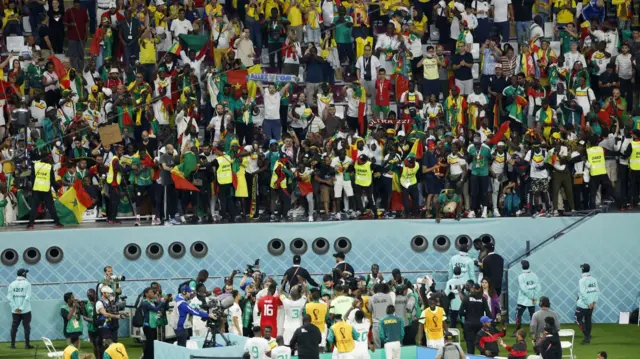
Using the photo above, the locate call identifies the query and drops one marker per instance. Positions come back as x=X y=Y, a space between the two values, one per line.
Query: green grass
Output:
x=619 y=341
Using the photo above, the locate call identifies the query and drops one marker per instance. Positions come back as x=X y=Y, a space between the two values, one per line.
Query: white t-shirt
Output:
x=271 y=105
x=497 y=165
x=537 y=169
x=179 y=27
x=482 y=9
x=584 y=97
x=625 y=66
x=373 y=62
x=37 y=110
x=222 y=37
x=257 y=348
x=281 y=352
x=234 y=312
x=601 y=63
x=293 y=312
x=353 y=103
x=455 y=164
x=327 y=13
x=500 y=10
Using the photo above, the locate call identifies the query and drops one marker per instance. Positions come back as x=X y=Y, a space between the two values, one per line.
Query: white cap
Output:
x=401 y=133
x=107 y=91
x=459 y=7
x=106 y=289
x=501 y=143
x=248 y=148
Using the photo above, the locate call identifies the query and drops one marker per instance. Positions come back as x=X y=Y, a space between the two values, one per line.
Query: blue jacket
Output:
x=185 y=309
x=529 y=288
x=591 y=10
x=589 y=291
x=19 y=295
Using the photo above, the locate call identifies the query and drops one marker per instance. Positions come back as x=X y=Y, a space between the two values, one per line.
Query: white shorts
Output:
x=287 y=334
x=435 y=343
x=340 y=185
x=361 y=352
x=392 y=350
x=323 y=342
x=348 y=355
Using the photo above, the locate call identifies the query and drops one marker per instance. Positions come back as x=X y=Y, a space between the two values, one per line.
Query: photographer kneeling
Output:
x=107 y=316
x=180 y=312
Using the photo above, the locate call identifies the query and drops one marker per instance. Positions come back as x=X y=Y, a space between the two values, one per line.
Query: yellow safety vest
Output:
x=363 y=174
x=117 y=351
x=111 y=172
x=595 y=156
x=274 y=177
x=318 y=314
x=634 y=160
x=408 y=177
x=343 y=333
x=224 y=173
x=68 y=351
x=42 y=182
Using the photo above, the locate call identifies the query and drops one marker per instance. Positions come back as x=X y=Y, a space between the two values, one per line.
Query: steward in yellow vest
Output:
x=114 y=350
x=280 y=177
x=224 y=179
x=365 y=171
x=598 y=175
x=633 y=153
x=44 y=180
x=112 y=188
x=409 y=183
x=343 y=334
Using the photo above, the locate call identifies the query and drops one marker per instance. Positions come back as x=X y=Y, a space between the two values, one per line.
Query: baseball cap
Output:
x=106 y=289
x=338 y=255
x=22 y=272
x=272 y=141
x=448 y=336
x=216 y=291
x=485 y=319
x=186 y=289
x=585 y=267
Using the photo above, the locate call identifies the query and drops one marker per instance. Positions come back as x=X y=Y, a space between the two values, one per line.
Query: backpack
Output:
x=137 y=321
x=450 y=345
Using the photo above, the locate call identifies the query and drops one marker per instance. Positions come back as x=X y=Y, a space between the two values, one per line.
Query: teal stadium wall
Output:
x=88 y=250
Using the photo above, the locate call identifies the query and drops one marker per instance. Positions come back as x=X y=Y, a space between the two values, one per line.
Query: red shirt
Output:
x=80 y=18
x=268 y=308
x=382 y=92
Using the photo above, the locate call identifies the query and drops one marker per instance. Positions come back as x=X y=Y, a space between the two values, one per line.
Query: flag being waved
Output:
x=73 y=203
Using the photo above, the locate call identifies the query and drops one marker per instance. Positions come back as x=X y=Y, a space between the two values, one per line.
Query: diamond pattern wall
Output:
x=88 y=250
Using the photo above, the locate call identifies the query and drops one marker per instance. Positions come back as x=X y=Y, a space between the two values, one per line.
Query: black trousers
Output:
x=275 y=49
x=150 y=334
x=478 y=186
x=227 y=204
x=583 y=319
x=245 y=133
x=410 y=332
x=634 y=182
x=181 y=337
x=453 y=318
x=520 y=310
x=113 y=203
x=470 y=331
x=412 y=192
x=622 y=187
x=38 y=197
x=594 y=183
x=581 y=196
x=368 y=192
x=25 y=318
x=285 y=201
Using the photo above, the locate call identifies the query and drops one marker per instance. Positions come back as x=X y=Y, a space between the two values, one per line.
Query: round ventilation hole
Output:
x=31 y=255
x=132 y=251
x=276 y=247
x=463 y=241
x=298 y=246
x=320 y=246
x=177 y=250
x=9 y=257
x=342 y=244
x=54 y=255
x=155 y=251
x=487 y=238
x=199 y=249
x=419 y=244
x=441 y=244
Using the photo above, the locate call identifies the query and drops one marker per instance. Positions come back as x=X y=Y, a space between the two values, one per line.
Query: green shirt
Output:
x=391 y=329
x=480 y=160
x=566 y=39
x=443 y=199
x=89 y=309
x=343 y=32
x=247 y=313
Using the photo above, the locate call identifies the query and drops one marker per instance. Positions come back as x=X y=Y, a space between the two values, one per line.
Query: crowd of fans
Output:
x=399 y=109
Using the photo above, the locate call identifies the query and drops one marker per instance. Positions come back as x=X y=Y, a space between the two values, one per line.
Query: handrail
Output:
x=555 y=236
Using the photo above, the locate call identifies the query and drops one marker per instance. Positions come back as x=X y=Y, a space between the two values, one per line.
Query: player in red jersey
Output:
x=268 y=310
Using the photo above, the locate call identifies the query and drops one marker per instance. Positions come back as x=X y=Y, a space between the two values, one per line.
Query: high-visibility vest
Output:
x=111 y=172
x=595 y=156
x=363 y=174
x=343 y=333
x=634 y=160
x=42 y=181
x=224 y=174
x=274 y=177
x=68 y=351
x=318 y=314
x=117 y=351
x=408 y=177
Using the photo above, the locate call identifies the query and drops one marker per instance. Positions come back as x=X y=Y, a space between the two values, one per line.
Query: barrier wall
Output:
x=610 y=244
x=82 y=253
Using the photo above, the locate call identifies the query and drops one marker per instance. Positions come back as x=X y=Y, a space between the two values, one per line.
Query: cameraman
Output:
x=71 y=312
x=110 y=281
x=152 y=312
x=184 y=309
x=107 y=316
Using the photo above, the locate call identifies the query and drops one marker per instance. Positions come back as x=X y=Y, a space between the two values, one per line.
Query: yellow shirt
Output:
x=326 y=52
x=432 y=322
x=312 y=17
x=148 y=51
x=421 y=25
x=161 y=20
x=430 y=68
x=294 y=16
x=564 y=16
x=359 y=15
x=253 y=11
x=270 y=4
x=213 y=10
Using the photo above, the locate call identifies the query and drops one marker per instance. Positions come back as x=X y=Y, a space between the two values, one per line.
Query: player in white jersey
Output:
x=281 y=351
x=293 y=308
x=361 y=326
x=257 y=347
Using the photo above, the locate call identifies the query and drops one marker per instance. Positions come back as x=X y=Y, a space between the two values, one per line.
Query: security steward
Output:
x=71 y=351
x=633 y=154
x=597 y=174
x=112 y=189
x=107 y=317
x=344 y=335
x=224 y=179
x=473 y=308
x=409 y=183
x=365 y=171
x=43 y=180
x=114 y=350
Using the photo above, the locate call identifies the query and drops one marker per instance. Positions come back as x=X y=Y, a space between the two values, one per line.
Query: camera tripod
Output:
x=210 y=337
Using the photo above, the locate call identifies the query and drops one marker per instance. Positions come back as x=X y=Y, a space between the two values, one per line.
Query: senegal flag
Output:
x=72 y=204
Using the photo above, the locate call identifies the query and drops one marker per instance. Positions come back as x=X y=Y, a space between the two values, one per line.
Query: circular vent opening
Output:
x=9 y=257
x=320 y=246
x=155 y=251
x=342 y=244
x=441 y=244
x=176 y=250
x=276 y=247
x=199 y=249
x=419 y=244
x=31 y=255
x=54 y=255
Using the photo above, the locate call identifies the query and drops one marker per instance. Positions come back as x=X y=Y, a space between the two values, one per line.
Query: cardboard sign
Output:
x=110 y=134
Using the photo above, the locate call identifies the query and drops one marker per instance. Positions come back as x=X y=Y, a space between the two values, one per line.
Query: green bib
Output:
x=74 y=325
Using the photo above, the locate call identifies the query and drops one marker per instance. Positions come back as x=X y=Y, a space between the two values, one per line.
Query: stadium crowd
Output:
x=346 y=313
x=365 y=109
